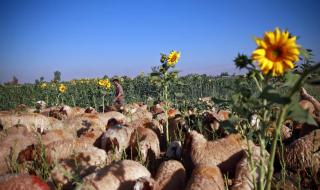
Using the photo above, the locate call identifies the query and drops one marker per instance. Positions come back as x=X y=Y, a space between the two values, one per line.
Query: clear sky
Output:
x=96 y=37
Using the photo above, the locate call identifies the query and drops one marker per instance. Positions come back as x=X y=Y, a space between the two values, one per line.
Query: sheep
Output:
x=56 y=135
x=140 y=113
x=85 y=121
x=116 y=139
x=143 y=122
x=22 y=182
x=244 y=175
x=71 y=111
x=117 y=176
x=80 y=164
x=174 y=150
x=145 y=141
x=130 y=108
x=156 y=109
x=225 y=152
x=33 y=121
x=302 y=153
x=205 y=178
x=170 y=175
x=212 y=121
x=92 y=136
x=12 y=141
x=177 y=125
x=55 y=151
x=41 y=105
x=22 y=108
x=90 y=110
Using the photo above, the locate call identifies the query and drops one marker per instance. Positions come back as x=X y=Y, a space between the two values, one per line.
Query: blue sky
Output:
x=95 y=37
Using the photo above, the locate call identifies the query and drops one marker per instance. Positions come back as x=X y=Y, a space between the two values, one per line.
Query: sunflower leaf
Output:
x=291 y=79
x=272 y=95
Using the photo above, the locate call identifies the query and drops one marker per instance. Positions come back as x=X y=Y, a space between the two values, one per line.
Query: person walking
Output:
x=118 y=101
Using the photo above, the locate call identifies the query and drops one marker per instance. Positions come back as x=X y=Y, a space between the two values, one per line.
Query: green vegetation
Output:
x=85 y=92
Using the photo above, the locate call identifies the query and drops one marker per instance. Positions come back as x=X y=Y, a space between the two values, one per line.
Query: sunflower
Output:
x=277 y=52
x=104 y=83
x=173 y=58
x=43 y=85
x=62 y=88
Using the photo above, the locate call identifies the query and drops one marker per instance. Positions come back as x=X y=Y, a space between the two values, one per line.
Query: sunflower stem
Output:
x=280 y=121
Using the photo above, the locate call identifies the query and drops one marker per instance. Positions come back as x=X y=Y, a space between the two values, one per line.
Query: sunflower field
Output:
x=184 y=91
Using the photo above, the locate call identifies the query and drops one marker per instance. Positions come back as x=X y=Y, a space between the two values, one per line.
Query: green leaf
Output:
x=291 y=79
x=272 y=95
x=295 y=112
x=181 y=83
x=179 y=94
x=315 y=81
x=229 y=124
x=220 y=101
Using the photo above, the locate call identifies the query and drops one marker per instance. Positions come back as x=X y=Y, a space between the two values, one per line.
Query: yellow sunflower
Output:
x=62 y=88
x=108 y=84
x=173 y=58
x=276 y=52
x=104 y=83
x=43 y=85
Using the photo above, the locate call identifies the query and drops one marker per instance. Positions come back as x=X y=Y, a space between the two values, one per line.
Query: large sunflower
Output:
x=173 y=58
x=277 y=52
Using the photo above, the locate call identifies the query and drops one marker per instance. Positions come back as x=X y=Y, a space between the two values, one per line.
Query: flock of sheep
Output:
x=113 y=150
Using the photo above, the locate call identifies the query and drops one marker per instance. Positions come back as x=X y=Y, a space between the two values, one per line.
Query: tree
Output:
x=224 y=74
x=14 y=80
x=57 y=76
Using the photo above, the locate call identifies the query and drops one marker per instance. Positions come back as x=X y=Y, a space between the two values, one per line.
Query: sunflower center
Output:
x=274 y=54
x=173 y=58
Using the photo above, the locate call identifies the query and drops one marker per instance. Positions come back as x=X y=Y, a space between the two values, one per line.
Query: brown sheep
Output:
x=153 y=125
x=174 y=150
x=206 y=178
x=84 y=122
x=80 y=164
x=140 y=113
x=302 y=153
x=145 y=141
x=117 y=176
x=22 y=182
x=90 y=110
x=212 y=121
x=244 y=175
x=12 y=141
x=156 y=109
x=93 y=136
x=33 y=121
x=56 y=135
x=225 y=152
x=170 y=175
x=177 y=126
x=116 y=140
x=55 y=151
x=130 y=108
x=71 y=111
